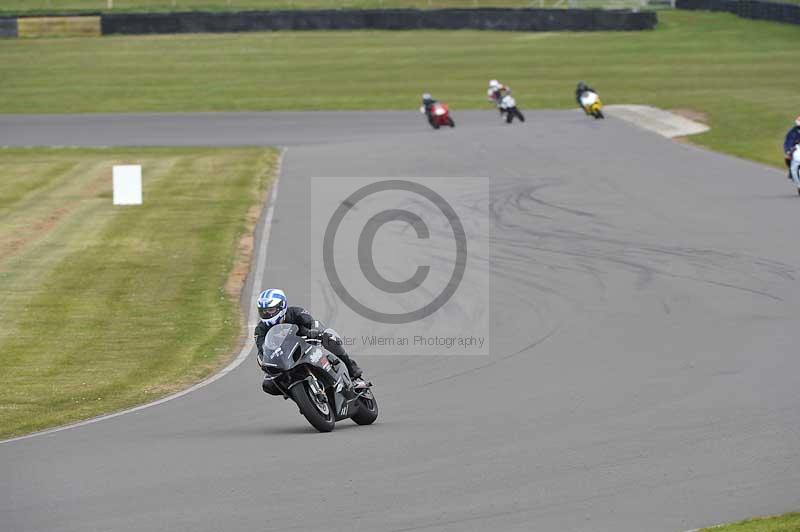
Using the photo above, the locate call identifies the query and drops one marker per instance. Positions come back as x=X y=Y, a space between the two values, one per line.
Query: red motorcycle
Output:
x=439 y=115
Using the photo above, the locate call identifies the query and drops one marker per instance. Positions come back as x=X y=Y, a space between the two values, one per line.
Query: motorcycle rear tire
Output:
x=450 y=122
x=318 y=420
x=367 y=410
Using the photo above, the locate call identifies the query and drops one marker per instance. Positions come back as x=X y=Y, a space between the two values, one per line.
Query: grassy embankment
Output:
x=104 y=307
x=782 y=523
x=739 y=73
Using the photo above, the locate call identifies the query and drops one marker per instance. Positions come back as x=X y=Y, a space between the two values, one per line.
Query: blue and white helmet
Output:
x=272 y=306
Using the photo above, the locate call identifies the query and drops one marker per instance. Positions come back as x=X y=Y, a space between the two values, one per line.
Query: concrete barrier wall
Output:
x=58 y=27
x=8 y=28
x=394 y=19
x=789 y=13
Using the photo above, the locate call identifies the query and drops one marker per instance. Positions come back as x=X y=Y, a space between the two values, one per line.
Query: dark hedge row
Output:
x=390 y=19
x=8 y=27
x=747 y=8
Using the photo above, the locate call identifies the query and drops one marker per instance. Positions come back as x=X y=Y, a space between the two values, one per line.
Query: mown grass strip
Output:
x=782 y=523
x=104 y=307
x=739 y=73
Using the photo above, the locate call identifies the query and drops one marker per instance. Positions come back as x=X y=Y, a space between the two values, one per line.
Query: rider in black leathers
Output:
x=307 y=326
x=427 y=106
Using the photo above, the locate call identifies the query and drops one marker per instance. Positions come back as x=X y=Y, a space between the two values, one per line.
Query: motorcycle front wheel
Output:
x=367 y=411
x=317 y=411
x=519 y=115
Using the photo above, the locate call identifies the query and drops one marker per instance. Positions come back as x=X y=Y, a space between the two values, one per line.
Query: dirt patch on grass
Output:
x=244 y=255
x=36 y=231
x=234 y=286
x=42 y=227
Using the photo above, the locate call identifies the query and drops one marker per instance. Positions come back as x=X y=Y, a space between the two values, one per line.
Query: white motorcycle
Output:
x=794 y=167
x=591 y=104
x=508 y=107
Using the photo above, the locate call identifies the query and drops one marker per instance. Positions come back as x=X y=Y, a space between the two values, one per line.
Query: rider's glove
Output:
x=313 y=333
x=332 y=336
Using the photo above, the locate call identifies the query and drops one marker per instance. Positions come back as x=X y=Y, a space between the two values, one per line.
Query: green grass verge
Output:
x=782 y=523
x=31 y=7
x=105 y=307
x=740 y=73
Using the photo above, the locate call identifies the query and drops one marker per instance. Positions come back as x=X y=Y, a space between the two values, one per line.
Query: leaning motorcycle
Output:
x=794 y=167
x=440 y=115
x=591 y=104
x=508 y=108
x=299 y=368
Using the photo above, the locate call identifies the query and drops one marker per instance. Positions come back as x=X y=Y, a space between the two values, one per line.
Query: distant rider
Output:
x=792 y=140
x=496 y=92
x=273 y=309
x=427 y=106
x=579 y=90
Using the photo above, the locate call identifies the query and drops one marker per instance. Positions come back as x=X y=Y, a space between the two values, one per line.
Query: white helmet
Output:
x=493 y=84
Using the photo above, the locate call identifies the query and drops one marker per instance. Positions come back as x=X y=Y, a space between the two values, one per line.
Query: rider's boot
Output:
x=353 y=369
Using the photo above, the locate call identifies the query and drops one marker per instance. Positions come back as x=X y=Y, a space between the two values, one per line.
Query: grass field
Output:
x=740 y=73
x=105 y=307
x=782 y=523
x=121 y=6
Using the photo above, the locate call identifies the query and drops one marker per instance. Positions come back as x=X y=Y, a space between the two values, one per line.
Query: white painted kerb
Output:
x=657 y=120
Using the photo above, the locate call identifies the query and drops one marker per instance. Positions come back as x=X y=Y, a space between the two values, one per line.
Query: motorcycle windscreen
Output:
x=279 y=344
x=278 y=334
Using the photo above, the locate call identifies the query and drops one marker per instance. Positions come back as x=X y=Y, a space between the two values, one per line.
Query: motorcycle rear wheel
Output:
x=318 y=413
x=367 y=411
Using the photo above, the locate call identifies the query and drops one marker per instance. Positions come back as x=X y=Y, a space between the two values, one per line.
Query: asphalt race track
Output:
x=644 y=371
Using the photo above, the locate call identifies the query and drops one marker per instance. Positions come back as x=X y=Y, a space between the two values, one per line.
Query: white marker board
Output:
x=128 y=184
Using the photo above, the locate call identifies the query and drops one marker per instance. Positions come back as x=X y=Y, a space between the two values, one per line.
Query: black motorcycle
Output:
x=299 y=368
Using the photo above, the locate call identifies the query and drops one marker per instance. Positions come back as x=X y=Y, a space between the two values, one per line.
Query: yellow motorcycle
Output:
x=591 y=104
